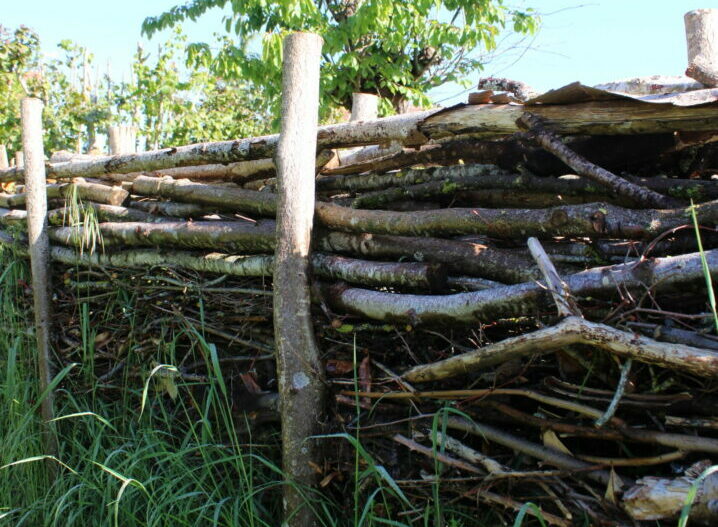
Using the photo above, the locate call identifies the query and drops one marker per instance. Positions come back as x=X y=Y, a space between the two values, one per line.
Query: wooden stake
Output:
x=300 y=373
x=39 y=249
x=122 y=139
x=364 y=106
x=3 y=157
x=702 y=44
x=19 y=159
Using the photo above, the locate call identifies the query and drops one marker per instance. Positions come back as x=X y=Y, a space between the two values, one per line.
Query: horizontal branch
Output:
x=573 y=330
x=605 y=117
x=517 y=300
x=383 y=274
x=594 y=219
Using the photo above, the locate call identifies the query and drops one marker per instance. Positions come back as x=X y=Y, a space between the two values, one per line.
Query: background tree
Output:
x=397 y=50
x=169 y=104
x=19 y=62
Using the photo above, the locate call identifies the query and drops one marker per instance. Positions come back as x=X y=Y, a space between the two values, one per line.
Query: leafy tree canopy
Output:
x=396 y=49
x=167 y=104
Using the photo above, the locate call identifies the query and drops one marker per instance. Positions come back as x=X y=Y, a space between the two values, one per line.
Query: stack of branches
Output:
x=519 y=316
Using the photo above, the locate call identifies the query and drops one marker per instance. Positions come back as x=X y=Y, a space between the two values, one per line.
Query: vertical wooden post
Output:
x=19 y=159
x=364 y=106
x=122 y=139
x=702 y=44
x=39 y=246
x=299 y=369
x=3 y=157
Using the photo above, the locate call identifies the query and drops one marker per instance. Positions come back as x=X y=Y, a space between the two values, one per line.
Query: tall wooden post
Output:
x=19 y=159
x=39 y=245
x=299 y=370
x=122 y=139
x=364 y=106
x=702 y=44
x=3 y=157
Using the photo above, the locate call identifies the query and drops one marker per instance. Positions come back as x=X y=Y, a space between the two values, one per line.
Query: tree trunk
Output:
x=299 y=369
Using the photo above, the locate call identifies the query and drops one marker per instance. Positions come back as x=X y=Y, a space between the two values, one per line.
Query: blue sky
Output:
x=590 y=41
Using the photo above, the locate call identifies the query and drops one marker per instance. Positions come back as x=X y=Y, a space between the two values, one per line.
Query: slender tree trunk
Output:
x=39 y=246
x=300 y=372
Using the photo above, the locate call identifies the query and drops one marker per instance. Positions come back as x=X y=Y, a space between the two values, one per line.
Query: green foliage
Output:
x=397 y=50
x=18 y=64
x=168 y=104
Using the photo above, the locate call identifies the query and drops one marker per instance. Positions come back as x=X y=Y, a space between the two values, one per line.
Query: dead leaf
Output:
x=551 y=440
x=614 y=486
x=250 y=382
x=339 y=367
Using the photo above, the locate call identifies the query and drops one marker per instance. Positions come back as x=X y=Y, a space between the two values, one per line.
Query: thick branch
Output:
x=517 y=300
x=570 y=331
x=583 y=167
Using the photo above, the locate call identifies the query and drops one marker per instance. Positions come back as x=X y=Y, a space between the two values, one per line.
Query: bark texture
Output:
x=39 y=246
x=570 y=331
x=607 y=117
x=517 y=300
x=583 y=167
x=299 y=370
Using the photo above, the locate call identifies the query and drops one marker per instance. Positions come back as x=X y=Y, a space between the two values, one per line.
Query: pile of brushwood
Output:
x=505 y=315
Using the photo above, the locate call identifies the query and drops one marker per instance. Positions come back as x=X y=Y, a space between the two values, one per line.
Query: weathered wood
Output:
x=701 y=71
x=557 y=287
x=172 y=209
x=651 y=85
x=300 y=373
x=605 y=117
x=593 y=219
x=39 y=247
x=590 y=220
x=364 y=106
x=240 y=237
x=496 y=190
x=583 y=167
x=521 y=90
x=404 y=178
x=122 y=139
x=82 y=189
x=517 y=300
x=380 y=274
x=136 y=228
x=458 y=256
x=570 y=331
x=236 y=199
x=367 y=273
x=3 y=157
x=590 y=118
x=702 y=45
x=548 y=455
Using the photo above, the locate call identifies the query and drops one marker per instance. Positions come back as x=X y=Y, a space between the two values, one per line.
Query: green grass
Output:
x=152 y=450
